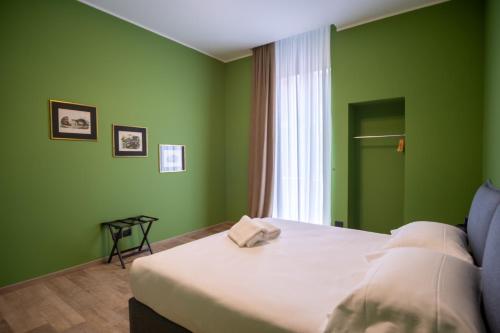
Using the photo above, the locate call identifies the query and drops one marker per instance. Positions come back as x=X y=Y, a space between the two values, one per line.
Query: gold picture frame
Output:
x=72 y=121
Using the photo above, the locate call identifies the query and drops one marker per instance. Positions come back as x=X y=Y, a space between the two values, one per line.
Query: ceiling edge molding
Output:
x=247 y=54
x=377 y=18
x=349 y=26
x=149 y=29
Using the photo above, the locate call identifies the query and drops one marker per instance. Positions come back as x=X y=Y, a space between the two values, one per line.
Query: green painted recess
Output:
x=376 y=168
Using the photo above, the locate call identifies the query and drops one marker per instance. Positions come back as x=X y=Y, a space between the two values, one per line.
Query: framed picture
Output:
x=71 y=121
x=129 y=141
x=172 y=158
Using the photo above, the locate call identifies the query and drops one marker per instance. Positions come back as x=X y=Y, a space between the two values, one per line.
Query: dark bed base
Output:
x=144 y=320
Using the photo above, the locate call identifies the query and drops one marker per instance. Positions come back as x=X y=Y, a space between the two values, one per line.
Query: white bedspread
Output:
x=290 y=284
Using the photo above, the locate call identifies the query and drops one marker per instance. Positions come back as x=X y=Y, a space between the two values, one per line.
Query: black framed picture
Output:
x=72 y=121
x=130 y=141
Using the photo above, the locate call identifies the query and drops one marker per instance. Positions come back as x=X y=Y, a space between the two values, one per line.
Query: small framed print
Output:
x=71 y=121
x=172 y=158
x=130 y=141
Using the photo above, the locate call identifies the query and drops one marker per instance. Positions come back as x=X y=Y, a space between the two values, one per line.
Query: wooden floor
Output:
x=93 y=299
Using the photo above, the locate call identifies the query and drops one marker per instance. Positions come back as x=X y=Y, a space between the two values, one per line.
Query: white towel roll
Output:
x=248 y=232
x=270 y=231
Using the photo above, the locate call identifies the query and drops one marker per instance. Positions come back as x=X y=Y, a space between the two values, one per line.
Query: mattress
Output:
x=290 y=284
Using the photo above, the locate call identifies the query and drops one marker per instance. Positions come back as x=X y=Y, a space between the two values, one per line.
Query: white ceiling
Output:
x=228 y=29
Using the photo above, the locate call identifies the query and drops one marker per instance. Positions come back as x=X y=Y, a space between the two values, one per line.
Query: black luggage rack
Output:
x=117 y=227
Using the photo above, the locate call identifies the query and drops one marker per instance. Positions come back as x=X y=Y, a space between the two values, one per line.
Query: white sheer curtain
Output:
x=303 y=128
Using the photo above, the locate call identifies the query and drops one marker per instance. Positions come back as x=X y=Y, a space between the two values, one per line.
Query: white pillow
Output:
x=412 y=290
x=435 y=236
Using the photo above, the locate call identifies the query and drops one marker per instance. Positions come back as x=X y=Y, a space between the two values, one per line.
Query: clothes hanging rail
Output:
x=379 y=136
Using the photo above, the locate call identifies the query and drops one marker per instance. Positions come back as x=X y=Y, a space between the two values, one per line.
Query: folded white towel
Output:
x=248 y=232
x=270 y=231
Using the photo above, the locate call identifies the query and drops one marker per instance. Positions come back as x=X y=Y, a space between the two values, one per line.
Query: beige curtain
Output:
x=261 y=163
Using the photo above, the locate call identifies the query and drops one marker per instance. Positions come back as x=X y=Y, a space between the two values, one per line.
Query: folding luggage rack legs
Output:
x=116 y=229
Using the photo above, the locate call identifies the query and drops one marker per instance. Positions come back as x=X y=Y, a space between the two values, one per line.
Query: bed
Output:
x=295 y=283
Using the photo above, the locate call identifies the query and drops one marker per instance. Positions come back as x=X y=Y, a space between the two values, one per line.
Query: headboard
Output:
x=490 y=275
x=483 y=206
x=483 y=233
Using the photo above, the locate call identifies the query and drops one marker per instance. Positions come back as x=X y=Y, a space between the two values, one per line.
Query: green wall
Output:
x=238 y=105
x=492 y=93
x=54 y=194
x=432 y=57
